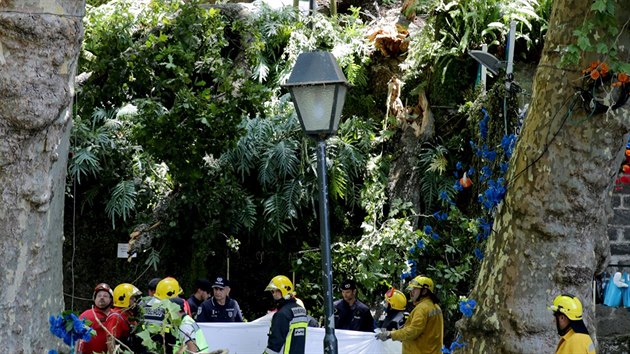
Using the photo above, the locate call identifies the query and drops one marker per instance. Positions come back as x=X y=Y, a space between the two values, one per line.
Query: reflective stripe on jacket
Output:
x=288 y=329
x=423 y=332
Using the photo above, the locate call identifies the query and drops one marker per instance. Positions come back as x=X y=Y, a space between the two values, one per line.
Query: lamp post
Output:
x=318 y=89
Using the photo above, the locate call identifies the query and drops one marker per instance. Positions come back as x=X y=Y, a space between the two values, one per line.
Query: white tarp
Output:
x=251 y=338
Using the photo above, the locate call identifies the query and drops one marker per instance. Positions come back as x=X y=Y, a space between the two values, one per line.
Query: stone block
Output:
x=615 y=201
x=613 y=233
x=626 y=233
x=612 y=321
x=620 y=217
x=619 y=249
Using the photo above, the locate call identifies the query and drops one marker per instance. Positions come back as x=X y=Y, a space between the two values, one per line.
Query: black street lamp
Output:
x=318 y=89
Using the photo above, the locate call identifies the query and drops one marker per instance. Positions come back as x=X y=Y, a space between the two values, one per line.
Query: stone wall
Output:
x=613 y=323
x=619 y=226
x=613 y=330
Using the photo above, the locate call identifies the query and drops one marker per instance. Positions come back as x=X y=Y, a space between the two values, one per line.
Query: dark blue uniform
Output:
x=355 y=318
x=288 y=329
x=395 y=319
x=194 y=305
x=211 y=311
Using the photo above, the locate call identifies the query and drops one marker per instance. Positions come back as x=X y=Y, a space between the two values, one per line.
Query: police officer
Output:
x=567 y=310
x=395 y=314
x=288 y=324
x=220 y=307
x=350 y=313
x=423 y=332
x=203 y=289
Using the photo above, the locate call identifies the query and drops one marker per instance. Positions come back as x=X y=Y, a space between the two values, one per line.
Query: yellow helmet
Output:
x=421 y=282
x=282 y=283
x=123 y=292
x=569 y=305
x=396 y=299
x=168 y=288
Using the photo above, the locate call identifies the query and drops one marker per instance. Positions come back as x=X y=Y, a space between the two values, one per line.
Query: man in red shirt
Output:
x=102 y=297
x=118 y=322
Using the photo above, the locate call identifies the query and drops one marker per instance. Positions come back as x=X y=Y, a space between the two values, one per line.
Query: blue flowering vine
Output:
x=466 y=307
x=70 y=328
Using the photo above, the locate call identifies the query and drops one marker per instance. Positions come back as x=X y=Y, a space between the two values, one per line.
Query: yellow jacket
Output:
x=423 y=332
x=575 y=343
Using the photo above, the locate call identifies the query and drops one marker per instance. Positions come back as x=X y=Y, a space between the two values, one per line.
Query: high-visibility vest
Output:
x=200 y=339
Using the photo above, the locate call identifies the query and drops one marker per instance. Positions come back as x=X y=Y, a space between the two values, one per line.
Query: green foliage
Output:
x=599 y=34
x=437 y=55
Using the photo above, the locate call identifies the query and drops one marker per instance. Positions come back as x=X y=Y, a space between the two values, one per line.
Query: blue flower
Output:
x=485 y=229
x=440 y=215
x=483 y=124
x=466 y=307
x=470 y=172
x=420 y=244
x=507 y=144
x=70 y=328
x=435 y=236
x=454 y=345
x=494 y=194
x=504 y=167
x=458 y=186
x=478 y=254
x=458 y=165
x=488 y=154
x=428 y=229
x=443 y=195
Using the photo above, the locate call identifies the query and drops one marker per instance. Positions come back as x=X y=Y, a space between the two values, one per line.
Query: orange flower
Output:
x=626 y=169
x=623 y=78
x=603 y=69
x=591 y=67
x=594 y=74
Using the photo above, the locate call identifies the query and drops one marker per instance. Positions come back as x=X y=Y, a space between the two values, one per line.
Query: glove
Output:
x=384 y=335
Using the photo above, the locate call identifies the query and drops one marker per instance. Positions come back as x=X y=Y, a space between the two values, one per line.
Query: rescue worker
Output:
x=423 y=332
x=97 y=314
x=311 y=321
x=220 y=307
x=395 y=314
x=567 y=310
x=190 y=337
x=121 y=320
x=152 y=285
x=350 y=313
x=287 y=333
x=203 y=288
x=154 y=312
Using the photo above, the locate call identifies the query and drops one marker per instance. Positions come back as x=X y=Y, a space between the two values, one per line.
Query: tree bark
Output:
x=39 y=47
x=550 y=233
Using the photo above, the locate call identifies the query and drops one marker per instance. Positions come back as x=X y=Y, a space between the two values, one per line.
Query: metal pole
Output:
x=330 y=341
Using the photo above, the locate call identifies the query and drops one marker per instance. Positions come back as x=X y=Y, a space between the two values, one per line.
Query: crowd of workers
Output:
x=119 y=315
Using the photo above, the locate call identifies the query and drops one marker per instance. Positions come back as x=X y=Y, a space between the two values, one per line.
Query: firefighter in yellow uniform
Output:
x=567 y=310
x=423 y=332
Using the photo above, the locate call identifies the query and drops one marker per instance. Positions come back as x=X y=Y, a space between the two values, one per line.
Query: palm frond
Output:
x=122 y=201
x=83 y=163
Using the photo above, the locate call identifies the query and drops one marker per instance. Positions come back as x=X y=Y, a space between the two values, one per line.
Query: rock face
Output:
x=39 y=46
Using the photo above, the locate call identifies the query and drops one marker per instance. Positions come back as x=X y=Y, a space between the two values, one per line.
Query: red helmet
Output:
x=103 y=287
